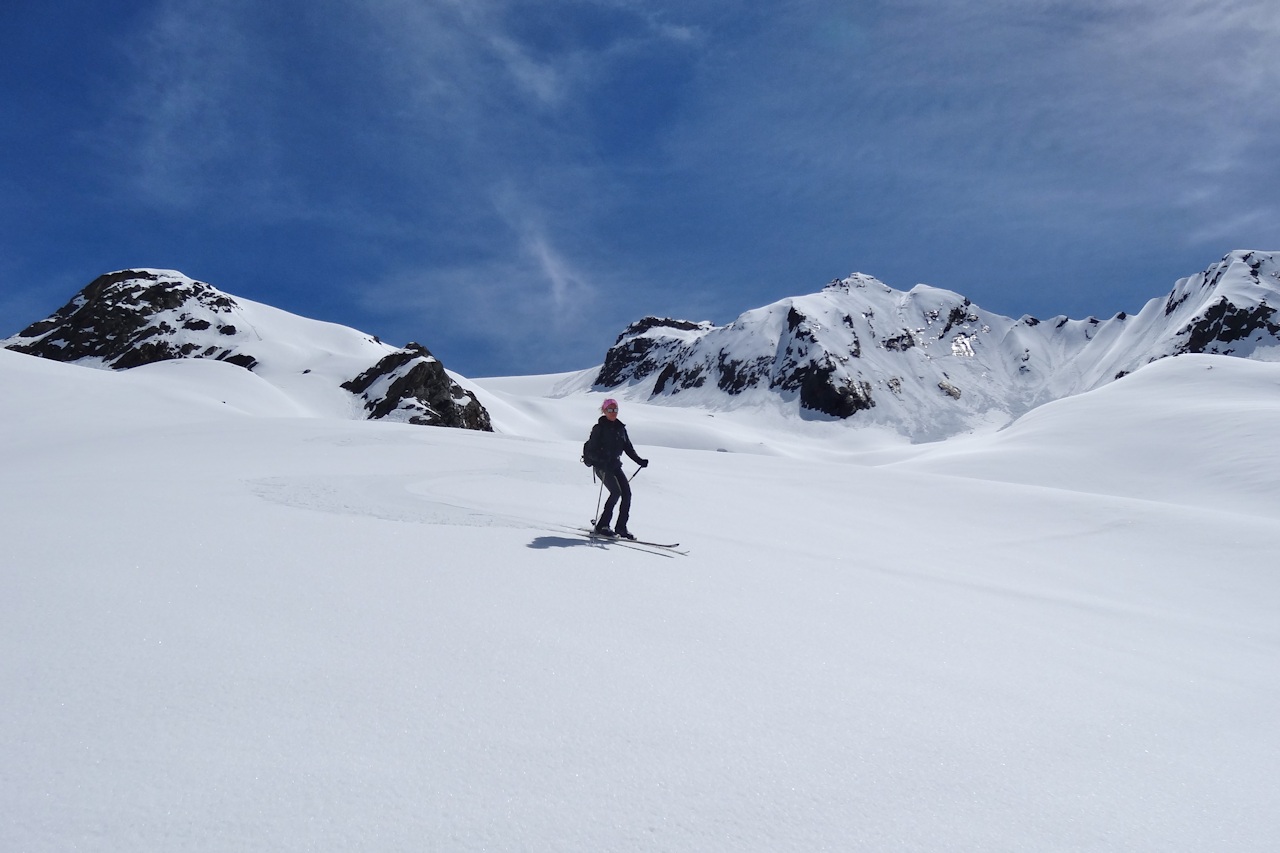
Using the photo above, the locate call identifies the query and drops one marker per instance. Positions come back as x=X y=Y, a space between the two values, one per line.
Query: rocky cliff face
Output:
x=1238 y=301
x=135 y=317
x=414 y=384
x=930 y=363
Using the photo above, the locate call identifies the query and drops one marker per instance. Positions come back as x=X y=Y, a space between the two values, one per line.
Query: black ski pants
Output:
x=619 y=495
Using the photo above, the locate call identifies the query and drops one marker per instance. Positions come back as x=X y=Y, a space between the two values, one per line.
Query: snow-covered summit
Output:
x=928 y=362
x=925 y=363
x=134 y=317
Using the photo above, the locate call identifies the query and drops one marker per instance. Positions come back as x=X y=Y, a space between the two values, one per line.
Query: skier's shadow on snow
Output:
x=542 y=543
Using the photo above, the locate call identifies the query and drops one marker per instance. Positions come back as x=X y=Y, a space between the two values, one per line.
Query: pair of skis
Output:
x=638 y=544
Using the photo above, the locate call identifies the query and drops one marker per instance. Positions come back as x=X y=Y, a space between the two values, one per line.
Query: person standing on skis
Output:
x=603 y=452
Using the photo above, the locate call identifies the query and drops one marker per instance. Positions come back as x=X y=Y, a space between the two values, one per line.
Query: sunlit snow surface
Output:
x=226 y=625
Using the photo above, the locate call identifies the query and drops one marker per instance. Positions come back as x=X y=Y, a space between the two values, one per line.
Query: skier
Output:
x=603 y=452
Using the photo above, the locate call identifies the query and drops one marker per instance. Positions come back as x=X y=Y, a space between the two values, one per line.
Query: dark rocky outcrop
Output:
x=637 y=353
x=680 y=354
x=116 y=319
x=414 y=383
x=1224 y=323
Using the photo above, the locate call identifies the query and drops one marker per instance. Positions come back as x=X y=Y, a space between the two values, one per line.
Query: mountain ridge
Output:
x=133 y=317
x=928 y=362
x=925 y=363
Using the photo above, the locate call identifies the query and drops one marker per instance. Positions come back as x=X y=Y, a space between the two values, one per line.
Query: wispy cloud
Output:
x=982 y=118
x=564 y=163
x=544 y=81
x=505 y=97
x=569 y=290
x=569 y=294
x=528 y=299
x=176 y=123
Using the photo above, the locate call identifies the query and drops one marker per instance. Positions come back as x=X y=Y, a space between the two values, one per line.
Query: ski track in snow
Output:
x=372 y=497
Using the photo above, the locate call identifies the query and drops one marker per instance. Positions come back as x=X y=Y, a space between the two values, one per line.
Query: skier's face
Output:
x=611 y=413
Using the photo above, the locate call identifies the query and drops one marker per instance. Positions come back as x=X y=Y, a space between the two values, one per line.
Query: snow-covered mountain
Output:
x=134 y=317
x=928 y=362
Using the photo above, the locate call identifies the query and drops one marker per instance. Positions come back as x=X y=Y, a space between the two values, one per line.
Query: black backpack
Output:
x=587 y=458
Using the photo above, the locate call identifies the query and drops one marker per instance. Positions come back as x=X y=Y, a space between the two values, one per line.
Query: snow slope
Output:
x=1159 y=421
x=227 y=627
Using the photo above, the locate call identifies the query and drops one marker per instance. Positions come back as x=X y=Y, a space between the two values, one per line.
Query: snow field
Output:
x=227 y=627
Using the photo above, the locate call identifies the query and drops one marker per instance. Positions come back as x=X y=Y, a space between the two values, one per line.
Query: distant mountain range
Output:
x=930 y=363
x=927 y=363
x=134 y=317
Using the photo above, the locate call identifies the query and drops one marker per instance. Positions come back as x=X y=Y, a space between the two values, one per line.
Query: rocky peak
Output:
x=929 y=362
x=412 y=384
x=135 y=317
x=1236 y=303
x=852 y=282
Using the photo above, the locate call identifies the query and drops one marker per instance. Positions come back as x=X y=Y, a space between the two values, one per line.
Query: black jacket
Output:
x=608 y=442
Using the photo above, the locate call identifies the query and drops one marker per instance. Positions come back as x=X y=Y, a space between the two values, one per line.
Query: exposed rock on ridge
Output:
x=412 y=381
x=131 y=318
x=930 y=363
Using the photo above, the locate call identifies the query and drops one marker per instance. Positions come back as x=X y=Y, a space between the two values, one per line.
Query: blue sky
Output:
x=511 y=183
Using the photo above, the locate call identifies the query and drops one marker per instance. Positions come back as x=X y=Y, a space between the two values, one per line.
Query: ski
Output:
x=624 y=540
x=669 y=547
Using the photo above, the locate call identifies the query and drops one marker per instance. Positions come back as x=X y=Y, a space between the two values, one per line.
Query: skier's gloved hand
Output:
x=644 y=463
